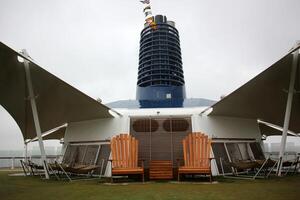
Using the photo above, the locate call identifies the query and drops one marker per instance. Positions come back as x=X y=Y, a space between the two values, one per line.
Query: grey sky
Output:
x=93 y=44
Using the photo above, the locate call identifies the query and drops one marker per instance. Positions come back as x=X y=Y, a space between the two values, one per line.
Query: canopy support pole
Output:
x=35 y=113
x=25 y=152
x=288 y=110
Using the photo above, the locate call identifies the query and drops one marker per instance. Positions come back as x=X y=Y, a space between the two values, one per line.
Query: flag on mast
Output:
x=145 y=2
x=150 y=21
x=148 y=14
x=147 y=8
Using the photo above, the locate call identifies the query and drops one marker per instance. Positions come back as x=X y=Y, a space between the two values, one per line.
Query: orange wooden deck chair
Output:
x=196 y=154
x=124 y=151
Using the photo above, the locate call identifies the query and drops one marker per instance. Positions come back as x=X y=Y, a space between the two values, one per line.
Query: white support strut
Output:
x=35 y=113
x=25 y=152
x=288 y=110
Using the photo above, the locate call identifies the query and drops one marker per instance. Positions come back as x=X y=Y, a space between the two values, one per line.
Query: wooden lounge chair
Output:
x=82 y=169
x=196 y=153
x=70 y=172
x=244 y=164
x=27 y=169
x=36 y=169
x=290 y=164
x=124 y=152
x=254 y=167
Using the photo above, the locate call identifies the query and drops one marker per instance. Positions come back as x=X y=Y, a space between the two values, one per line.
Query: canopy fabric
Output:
x=265 y=96
x=57 y=102
x=268 y=131
x=57 y=134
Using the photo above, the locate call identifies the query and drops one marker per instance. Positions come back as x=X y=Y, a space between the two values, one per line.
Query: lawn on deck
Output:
x=287 y=188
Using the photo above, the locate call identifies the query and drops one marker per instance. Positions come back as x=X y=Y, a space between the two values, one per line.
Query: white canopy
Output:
x=265 y=96
x=57 y=102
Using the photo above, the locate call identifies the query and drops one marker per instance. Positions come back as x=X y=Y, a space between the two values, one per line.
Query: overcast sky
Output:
x=94 y=44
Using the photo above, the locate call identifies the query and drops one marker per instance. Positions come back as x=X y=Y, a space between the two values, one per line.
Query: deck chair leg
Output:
x=111 y=173
x=296 y=165
x=23 y=167
x=143 y=177
x=32 y=172
x=261 y=168
x=210 y=177
x=270 y=171
x=63 y=171
x=294 y=171
x=50 y=168
x=178 y=177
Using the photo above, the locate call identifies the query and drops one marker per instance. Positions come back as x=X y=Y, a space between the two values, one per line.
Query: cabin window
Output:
x=178 y=125
x=221 y=154
x=103 y=158
x=257 y=151
x=70 y=154
x=145 y=125
x=234 y=152
x=244 y=150
x=80 y=153
x=91 y=154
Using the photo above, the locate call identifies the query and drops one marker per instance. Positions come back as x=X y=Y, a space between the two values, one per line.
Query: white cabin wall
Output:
x=214 y=126
x=228 y=127
x=99 y=129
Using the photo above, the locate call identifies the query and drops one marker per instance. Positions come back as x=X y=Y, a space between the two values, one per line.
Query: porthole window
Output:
x=178 y=125
x=143 y=125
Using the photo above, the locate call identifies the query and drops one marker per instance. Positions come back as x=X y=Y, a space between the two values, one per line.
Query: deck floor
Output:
x=33 y=188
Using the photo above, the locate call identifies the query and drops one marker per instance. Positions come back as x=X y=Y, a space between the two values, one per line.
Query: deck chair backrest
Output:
x=196 y=150
x=124 y=151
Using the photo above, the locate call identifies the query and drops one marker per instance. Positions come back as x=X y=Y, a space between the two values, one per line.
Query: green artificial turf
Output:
x=287 y=188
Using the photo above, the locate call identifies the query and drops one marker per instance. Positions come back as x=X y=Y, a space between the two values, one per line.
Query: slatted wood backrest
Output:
x=124 y=151
x=196 y=150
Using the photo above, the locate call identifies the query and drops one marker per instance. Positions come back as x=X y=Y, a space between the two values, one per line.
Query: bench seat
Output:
x=125 y=171
x=187 y=170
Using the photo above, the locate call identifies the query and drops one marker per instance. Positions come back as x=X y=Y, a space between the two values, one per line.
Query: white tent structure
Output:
x=271 y=96
x=39 y=101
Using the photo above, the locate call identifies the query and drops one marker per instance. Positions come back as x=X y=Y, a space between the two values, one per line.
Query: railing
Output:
x=288 y=155
x=13 y=162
